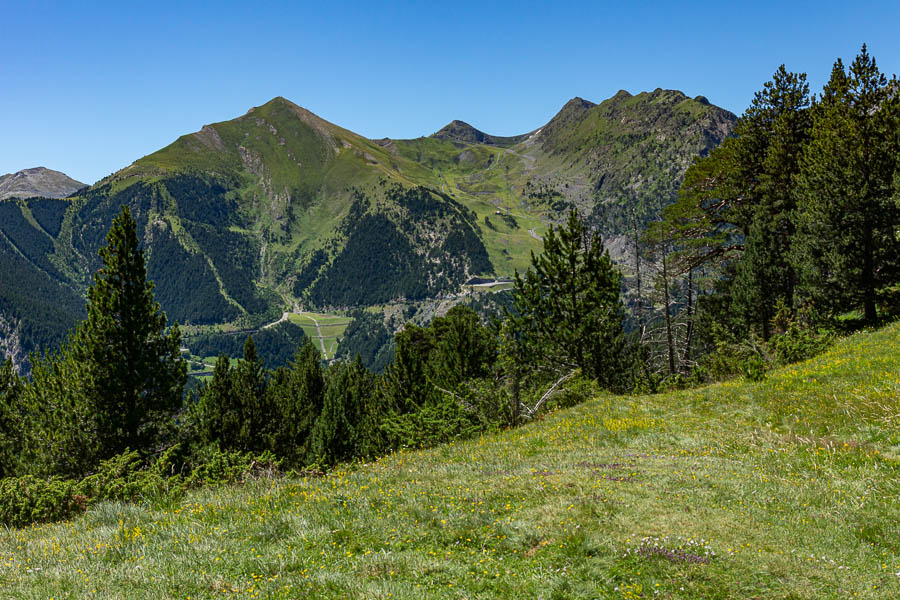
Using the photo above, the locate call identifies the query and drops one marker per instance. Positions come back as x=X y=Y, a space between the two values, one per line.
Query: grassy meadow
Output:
x=787 y=488
x=332 y=328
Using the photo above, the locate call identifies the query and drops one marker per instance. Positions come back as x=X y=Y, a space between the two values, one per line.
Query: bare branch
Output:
x=530 y=412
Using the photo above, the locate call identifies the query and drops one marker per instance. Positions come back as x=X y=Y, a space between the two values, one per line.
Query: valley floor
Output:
x=789 y=488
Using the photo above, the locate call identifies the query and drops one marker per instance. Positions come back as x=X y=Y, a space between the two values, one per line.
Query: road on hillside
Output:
x=284 y=317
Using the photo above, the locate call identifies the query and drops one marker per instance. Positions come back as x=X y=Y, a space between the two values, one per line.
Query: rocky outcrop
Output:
x=11 y=342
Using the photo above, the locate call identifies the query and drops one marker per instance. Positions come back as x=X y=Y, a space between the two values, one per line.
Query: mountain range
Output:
x=279 y=208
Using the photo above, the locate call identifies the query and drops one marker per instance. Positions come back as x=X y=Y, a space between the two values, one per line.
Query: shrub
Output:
x=749 y=359
x=796 y=338
x=28 y=499
x=430 y=425
x=125 y=477
x=231 y=467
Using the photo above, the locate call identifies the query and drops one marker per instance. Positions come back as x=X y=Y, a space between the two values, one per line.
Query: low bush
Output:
x=797 y=339
x=28 y=499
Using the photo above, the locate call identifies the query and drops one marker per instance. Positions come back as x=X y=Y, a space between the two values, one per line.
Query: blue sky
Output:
x=87 y=88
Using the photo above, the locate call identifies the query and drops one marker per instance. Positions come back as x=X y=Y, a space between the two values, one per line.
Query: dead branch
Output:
x=530 y=412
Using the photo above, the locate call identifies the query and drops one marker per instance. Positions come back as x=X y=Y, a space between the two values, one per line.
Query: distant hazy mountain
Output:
x=279 y=206
x=38 y=182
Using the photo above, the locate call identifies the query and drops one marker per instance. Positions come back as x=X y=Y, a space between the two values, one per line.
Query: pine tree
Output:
x=11 y=420
x=736 y=205
x=297 y=394
x=771 y=135
x=404 y=386
x=462 y=348
x=424 y=387
x=218 y=412
x=347 y=427
x=250 y=382
x=568 y=307
x=234 y=410
x=847 y=248
x=130 y=365
x=60 y=431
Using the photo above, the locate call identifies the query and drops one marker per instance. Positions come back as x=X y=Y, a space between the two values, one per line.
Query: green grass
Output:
x=488 y=289
x=332 y=328
x=786 y=488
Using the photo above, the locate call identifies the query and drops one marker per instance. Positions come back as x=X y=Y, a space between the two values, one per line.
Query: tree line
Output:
x=117 y=385
x=791 y=225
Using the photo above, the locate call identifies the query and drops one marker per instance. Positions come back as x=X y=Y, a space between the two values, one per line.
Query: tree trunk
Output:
x=690 y=314
x=666 y=300
x=637 y=271
x=868 y=276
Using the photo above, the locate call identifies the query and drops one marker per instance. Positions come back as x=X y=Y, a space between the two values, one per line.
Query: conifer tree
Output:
x=347 y=427
x=131 y=366
x=11 y=420
x=848 y=248
x=462 y=348
x=297 y=394
x=250 y=382
x=60 y=431
x=568 y=306
x=771 y=135
x=404 y=386
x=218 y=412
x=234 y=410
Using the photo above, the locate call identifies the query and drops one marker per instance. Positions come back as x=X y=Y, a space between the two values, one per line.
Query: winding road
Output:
x=285 y=316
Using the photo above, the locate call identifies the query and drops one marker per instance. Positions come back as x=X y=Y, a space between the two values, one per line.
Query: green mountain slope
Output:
x=279 y=208
x=38 y=303
x=781 y=489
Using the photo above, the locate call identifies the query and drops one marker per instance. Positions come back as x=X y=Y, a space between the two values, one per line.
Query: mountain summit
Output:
x=38 y=181
x=460 y=131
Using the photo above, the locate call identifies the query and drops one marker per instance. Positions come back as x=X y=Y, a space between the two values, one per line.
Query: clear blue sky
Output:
x=89 y=87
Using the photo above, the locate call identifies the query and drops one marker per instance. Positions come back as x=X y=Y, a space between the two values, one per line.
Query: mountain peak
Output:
x=572 y=111
x=38 y=181
x=280 y=102
x=460 y=131
x=579 y=104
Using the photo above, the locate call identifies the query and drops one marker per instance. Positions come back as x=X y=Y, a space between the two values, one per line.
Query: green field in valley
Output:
x=787 y=488
x=324 y=329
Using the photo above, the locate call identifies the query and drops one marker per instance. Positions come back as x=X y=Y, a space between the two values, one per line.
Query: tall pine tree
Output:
x=131 y=366
x=297 y=393
x=12 y=426
x=347 y=427
x=568 y=306
x=771 y=135
x=848 y=249
x=235 y=411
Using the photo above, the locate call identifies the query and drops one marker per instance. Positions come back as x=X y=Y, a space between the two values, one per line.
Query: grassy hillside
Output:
x=781 y=489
